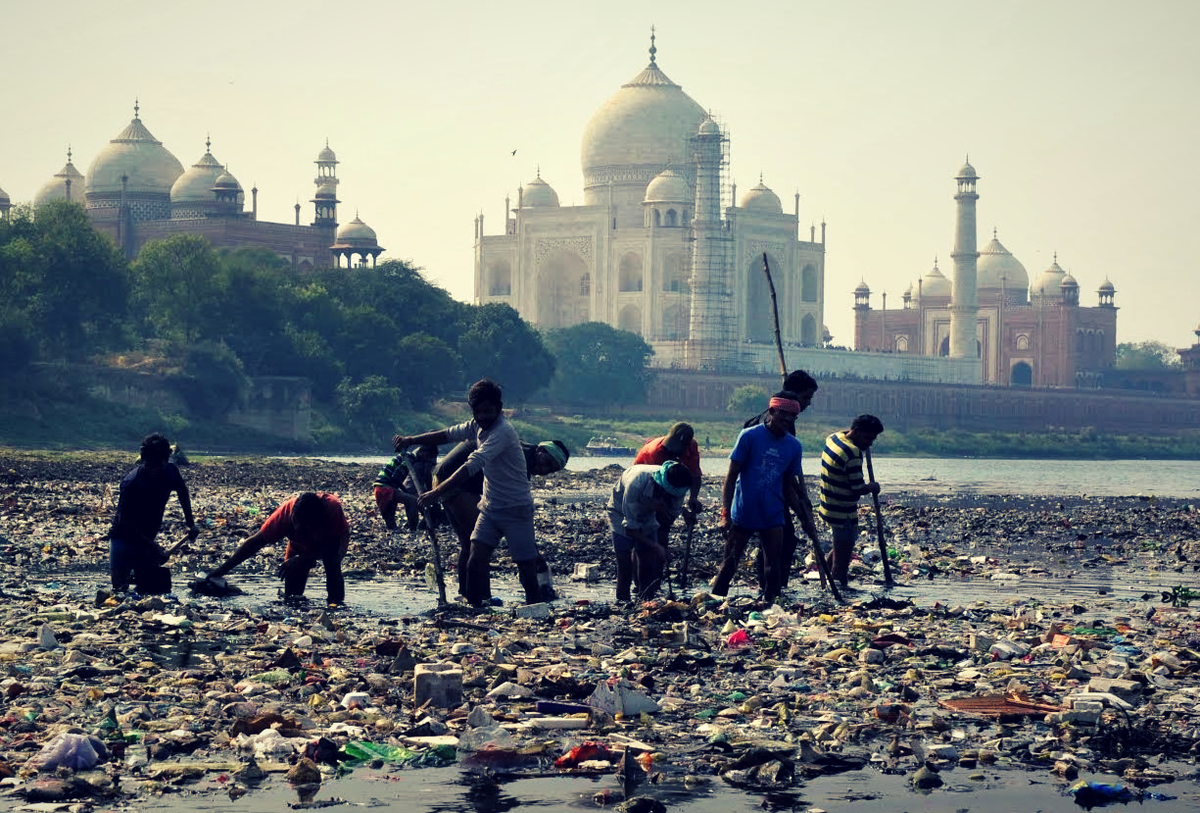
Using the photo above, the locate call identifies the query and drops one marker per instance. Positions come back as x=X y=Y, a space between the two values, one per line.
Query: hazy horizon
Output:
x=1079 y=117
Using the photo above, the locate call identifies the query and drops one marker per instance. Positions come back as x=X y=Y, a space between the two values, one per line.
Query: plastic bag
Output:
x=78 y=752
x=583 y=753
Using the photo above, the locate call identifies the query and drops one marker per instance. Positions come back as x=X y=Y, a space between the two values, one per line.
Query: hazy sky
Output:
x=1081 y=118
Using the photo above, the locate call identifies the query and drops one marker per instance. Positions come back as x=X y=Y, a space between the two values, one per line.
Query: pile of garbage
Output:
x=114 y=697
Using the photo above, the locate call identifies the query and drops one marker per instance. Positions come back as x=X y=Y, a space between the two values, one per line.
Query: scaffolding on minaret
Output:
x=712 y=324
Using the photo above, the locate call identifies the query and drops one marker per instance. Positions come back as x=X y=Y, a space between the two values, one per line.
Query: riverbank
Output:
x=768 y=705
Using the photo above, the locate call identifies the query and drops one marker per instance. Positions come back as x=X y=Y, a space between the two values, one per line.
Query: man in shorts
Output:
x=506 y=506
x=842 y=485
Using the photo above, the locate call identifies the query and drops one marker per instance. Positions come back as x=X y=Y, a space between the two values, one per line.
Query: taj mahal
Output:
x=658 y=248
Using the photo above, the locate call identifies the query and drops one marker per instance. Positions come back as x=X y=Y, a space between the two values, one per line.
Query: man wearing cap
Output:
x=638 y=497
x=842 y=485
x=679 y=444
x=462 y=506
x=761 y=482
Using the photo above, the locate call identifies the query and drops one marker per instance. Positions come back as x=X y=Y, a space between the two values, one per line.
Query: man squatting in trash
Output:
x=316 y=529
x=143 y=498
x=763 y=469
x=641 y=495
x=841 y=486
x=506 y=507
x=679 y=444
x=462 y=506
x=394 y=486
x=805 y=387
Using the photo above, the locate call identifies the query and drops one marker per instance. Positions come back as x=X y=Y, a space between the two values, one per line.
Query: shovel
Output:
x=887 y=568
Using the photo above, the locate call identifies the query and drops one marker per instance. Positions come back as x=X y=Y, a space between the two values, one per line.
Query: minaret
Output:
x=964 y=308
x=712 y=300
x=326 y=200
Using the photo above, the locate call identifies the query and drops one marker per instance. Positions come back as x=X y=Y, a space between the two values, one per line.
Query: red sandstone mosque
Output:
x=135 y=191
x=1024 y=334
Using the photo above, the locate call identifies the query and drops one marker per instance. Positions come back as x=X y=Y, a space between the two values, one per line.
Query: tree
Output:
x=252 y=314
x=70 y=280
x=426 y=368
x=499 y=344
x=599 y=364
x=1147 y=355
x=177 y=287
x=370 y=406
x=747 y=399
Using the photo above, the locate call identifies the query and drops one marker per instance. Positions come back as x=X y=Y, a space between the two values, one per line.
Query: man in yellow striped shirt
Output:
x=842 y=485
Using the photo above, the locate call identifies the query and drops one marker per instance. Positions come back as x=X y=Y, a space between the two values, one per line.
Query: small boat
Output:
x=607 y=447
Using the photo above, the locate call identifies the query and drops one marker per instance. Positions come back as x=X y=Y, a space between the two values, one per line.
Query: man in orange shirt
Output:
x=316 y=529
x=679 y=445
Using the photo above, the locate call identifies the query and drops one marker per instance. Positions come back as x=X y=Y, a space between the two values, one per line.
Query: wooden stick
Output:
x=887 y=567
x=822 y=565
x=430 y=527
x=775 y=313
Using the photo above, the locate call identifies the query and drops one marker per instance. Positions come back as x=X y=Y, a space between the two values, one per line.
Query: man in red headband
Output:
x=761 y=482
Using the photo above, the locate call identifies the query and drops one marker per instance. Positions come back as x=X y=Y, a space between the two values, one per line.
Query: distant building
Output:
x=135 y=191
x=659 y=247
x=1023 y=334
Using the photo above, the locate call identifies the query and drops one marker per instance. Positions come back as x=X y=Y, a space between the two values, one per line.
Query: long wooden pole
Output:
x=430 y=528
x=887 y=567
x=822 y=565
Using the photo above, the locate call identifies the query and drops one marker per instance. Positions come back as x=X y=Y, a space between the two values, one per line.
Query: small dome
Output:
x=967 y=171
x=539 y=193
x=935 y=283
x=1050 y=280
x=1107 y=287
x=56 y=187
x=326 y=190
x=668 y=187
x=195 y=185
x=136 y=156
x=762 y=199
x=226 y=181
x=357 y=234
x=326 y=155
x=862 y=289
x=1069 y=282
x=709 y=127
x=997 y=268
x=908 y=292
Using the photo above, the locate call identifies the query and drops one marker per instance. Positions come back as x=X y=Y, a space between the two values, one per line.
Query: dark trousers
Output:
x=296 y=570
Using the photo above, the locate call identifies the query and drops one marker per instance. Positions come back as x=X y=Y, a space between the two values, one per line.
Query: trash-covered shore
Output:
x=126 y=698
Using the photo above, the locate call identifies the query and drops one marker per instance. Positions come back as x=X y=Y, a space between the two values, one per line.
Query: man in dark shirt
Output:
x=145 y=491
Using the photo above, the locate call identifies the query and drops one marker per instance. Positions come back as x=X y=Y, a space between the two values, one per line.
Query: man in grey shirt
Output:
x=506 y=507
x=638 y=497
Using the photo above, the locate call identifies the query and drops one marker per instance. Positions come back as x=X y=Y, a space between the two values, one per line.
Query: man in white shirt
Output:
x=506 y=507
x=642 y=493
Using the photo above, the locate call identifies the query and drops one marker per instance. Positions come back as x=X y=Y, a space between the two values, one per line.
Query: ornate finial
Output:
x=760 y=176
x=136 y=108
x=993 y=232
x=208 y=142
x=1056 y=258
x=653 y=50
x=68 y=153
x=539 y=170
x=326 y=141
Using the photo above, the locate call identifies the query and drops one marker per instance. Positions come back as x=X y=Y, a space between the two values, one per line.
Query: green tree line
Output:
x=375 y=342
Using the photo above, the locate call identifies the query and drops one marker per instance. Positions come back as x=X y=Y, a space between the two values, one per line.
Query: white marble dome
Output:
x=967 y=171
x=538 y=193
x=1107 y=287
x=195 y=185
x=642 y=128
x=357 y=234
x=862 y=289
x=761 y=199
x=1049 y=282
x=668 y=187
x=138 y=156
x=56 y=187
x=997 y=268
x=935 y=283
x=226 y=181
x=326 y=155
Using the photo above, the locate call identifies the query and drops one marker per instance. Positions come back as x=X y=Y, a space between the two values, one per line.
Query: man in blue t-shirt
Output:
x=763 y=467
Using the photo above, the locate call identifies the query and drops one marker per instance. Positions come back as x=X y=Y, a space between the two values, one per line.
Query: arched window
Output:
x=671 y=217
x=944 y=347
x=673 y=278
x=901 y=344
x=630 y=278
x=499 y=278
x=1022 y=375
x=585 y=285
x=1022 y=341
x=808 y=330
x=630 y=318
x=808 y=284
x=657 y=218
